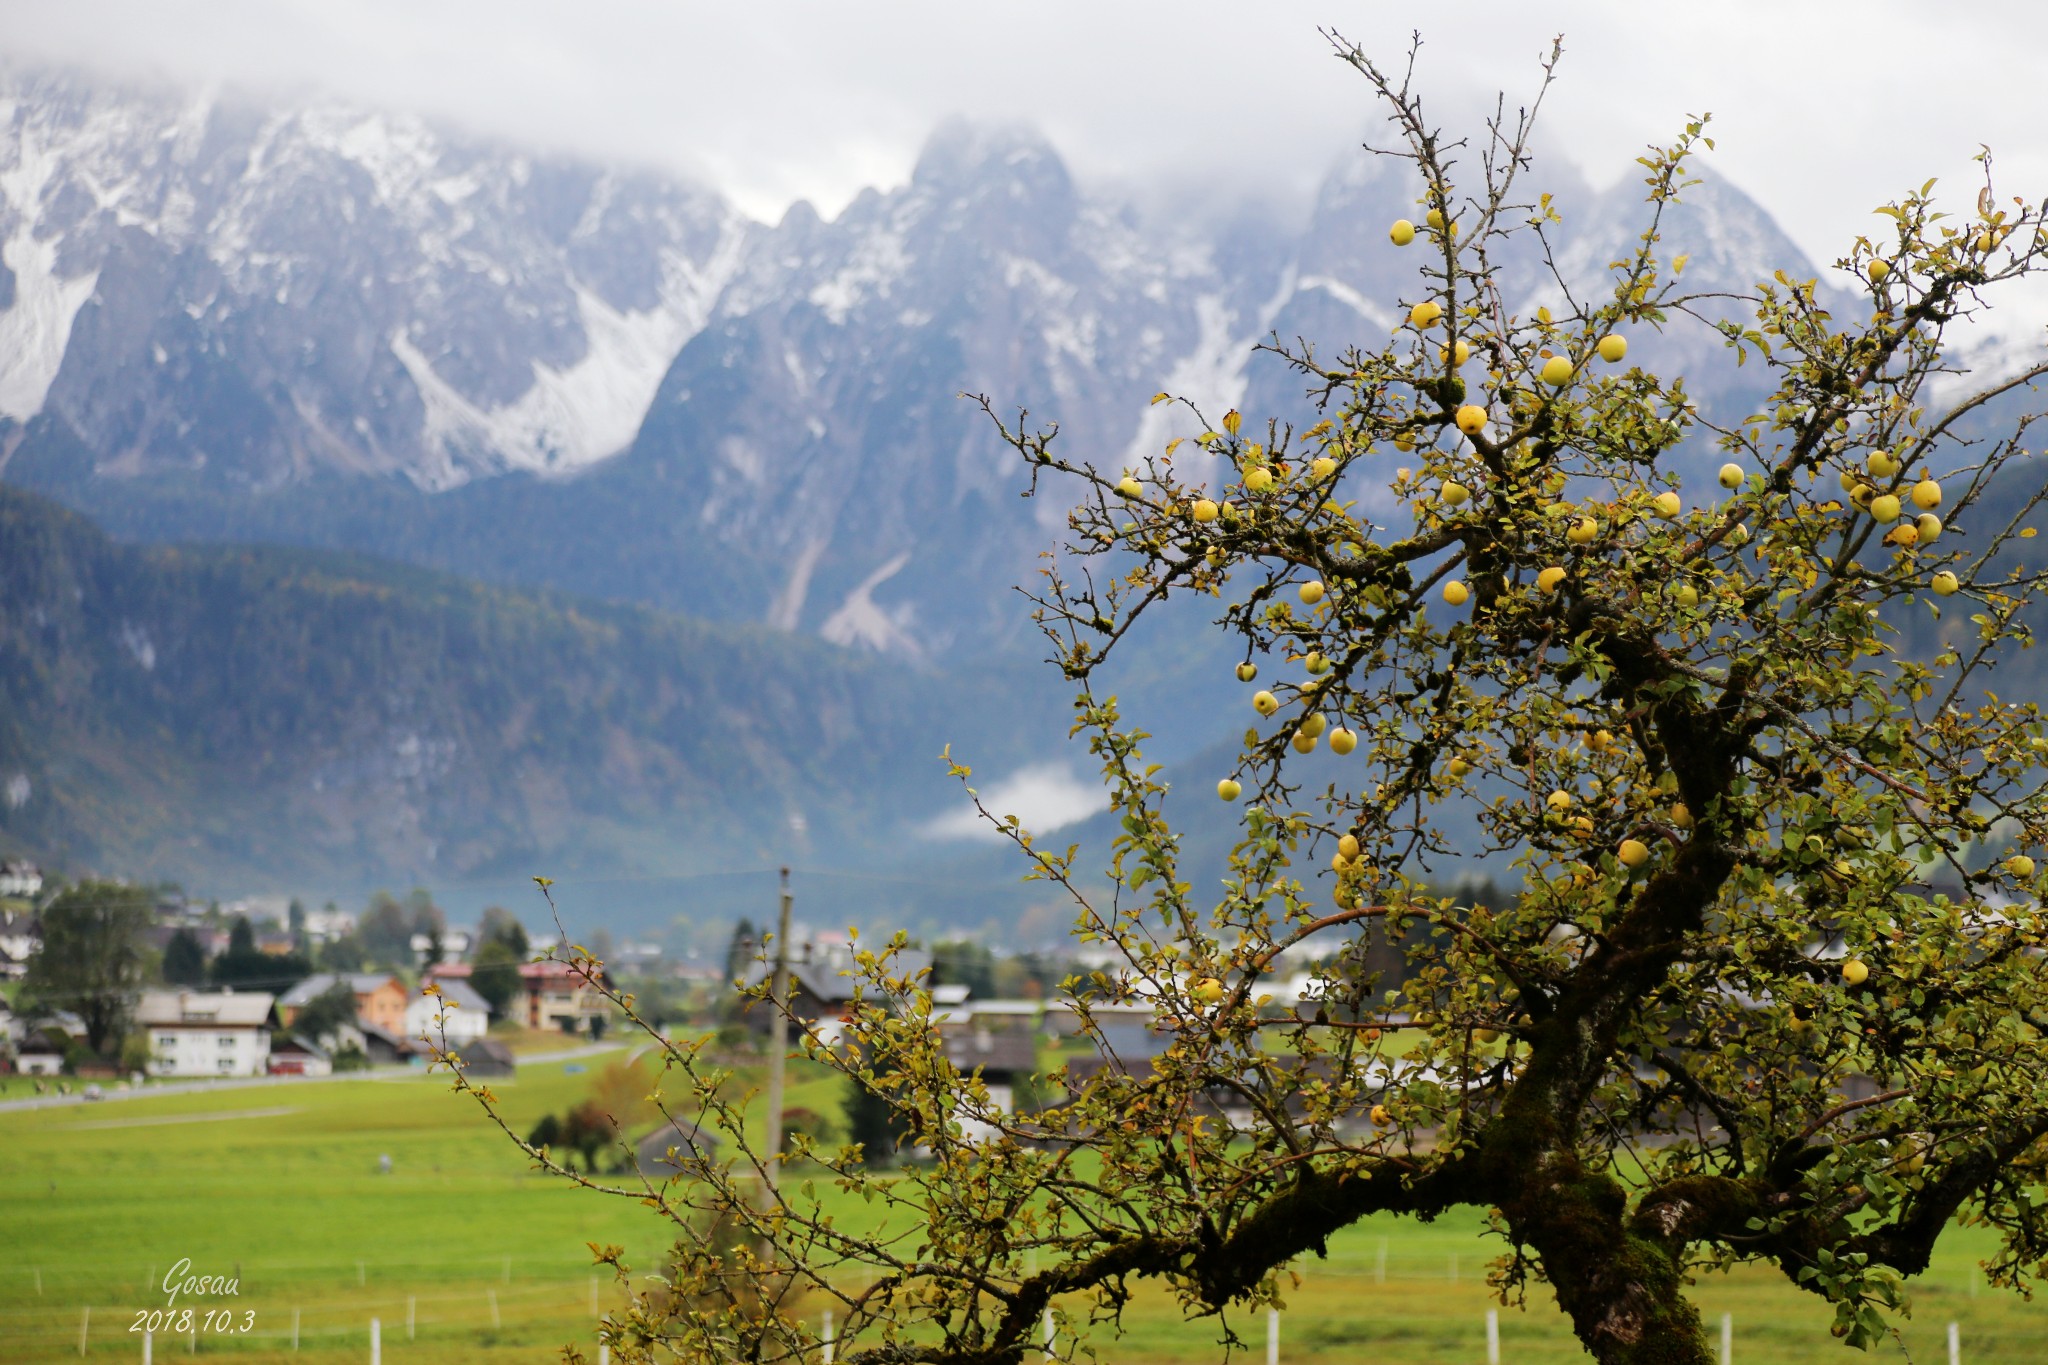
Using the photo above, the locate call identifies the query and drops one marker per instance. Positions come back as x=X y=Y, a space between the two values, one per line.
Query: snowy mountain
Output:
x=239 y=295
x=349 y=329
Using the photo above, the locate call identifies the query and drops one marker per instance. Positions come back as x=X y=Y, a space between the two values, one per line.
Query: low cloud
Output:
x=1044 y=797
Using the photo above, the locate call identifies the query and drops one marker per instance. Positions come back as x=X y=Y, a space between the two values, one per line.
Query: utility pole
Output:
x=778 y=1042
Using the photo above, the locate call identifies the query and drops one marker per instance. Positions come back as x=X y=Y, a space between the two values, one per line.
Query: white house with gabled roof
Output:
x=206 y=1033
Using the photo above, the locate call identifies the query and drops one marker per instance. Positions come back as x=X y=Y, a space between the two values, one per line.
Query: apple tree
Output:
x=1768 y=986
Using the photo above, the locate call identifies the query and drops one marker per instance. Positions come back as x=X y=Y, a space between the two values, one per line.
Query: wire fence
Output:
x=285 y=1307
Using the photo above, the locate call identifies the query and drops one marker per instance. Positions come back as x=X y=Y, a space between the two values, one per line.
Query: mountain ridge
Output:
x=335 y=327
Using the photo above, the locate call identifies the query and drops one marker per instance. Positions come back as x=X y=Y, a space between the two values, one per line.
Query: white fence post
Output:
x=376 y=1344
x=145 y=1348
x=1492 y=1336
x=1727 y=1339
x=1272 y=1336
x=1051 y=1335
x=1955 y=1342
x=84 y=1326
x=825 y=1339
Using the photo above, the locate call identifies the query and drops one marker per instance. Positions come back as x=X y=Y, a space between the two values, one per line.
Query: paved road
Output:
x=110 y=1090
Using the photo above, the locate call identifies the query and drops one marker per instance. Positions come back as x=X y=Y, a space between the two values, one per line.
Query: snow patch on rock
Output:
x=35 y=332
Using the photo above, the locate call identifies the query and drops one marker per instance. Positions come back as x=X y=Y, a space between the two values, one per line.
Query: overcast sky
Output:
x=774 y=101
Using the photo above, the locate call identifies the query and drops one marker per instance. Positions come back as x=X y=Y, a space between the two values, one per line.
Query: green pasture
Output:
x=280 y=1184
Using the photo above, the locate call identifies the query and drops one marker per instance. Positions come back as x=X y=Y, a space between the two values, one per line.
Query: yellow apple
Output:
x=1583 y=531
x=1426 y=313
x=1600 y=741
x=1559 y=800
x=1380 y=1117
x=1205 y=510
x=1457 y=767
x=1905 y=534
x=1317 y=664
x=1855 y=972
x=1861 y=495
x=1582 y=826
x=1881 y=465
x=1944 y=584
x=1687 y=595
x=1731 y=476
x=1927 y=495
x=1471 y=419
x=1129 y=487
x=1228 y=789
x=1453 y=493
x=1548 y=580
x=1435 y=218
x=1258 y=478
x=1458 y=354
x=1486 y=1035
x=2020 y=865
x=1402 y=233
x=1557 y=371
x=1348 y=845
x=1311 y=592
x=1314 y=724
x=1879 y=269
x=1264 y=702
x=1247 y=671
x=1681 y=815
x=1323 y=467
x=1304 y=743
x=1850 y=478
x=1928 y=525
x=1884 y=507
x=1455 y=593
x=1209 y=990
x=1633 y=853
x=1666 y=504
x=1338 y=862
x=1342 y=741
x=1613 y=348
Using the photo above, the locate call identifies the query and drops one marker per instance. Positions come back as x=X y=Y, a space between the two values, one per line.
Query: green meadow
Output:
x=280 y=1185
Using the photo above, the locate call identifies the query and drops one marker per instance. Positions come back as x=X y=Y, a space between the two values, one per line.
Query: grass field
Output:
x=280 y=1184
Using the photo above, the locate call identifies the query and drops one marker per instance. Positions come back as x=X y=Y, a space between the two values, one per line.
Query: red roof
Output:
x=558 y=974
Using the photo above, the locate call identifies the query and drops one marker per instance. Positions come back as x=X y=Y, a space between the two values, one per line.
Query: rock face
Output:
x=341 y=328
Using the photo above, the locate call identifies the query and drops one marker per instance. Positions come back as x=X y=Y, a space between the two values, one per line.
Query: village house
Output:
x=467 y=1014
x=21 y=933
x=297 y=1056
x=557 y=996
x=40 y=1054
x=206 y=1033
x=381 y=999
x=488 y=1057
x=1003 y=1060
x=821 y=984
x=20 y=879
